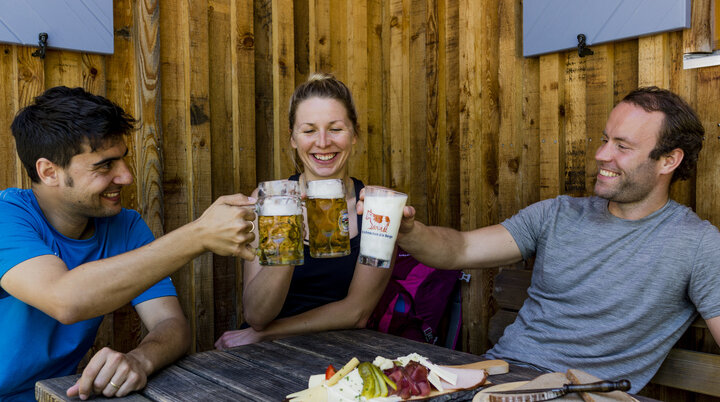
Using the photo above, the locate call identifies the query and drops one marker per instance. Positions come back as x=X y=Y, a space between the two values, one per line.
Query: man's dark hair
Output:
x=681 y=127
x=60 y=121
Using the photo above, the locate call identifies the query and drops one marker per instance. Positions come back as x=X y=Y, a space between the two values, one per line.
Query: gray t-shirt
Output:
x=610 y=296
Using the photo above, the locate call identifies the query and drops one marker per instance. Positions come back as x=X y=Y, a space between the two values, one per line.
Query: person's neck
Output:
x=67 y=224
x=639 y=209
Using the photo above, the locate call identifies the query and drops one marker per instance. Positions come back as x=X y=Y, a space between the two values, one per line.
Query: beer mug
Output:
x=327 y=214
x=382 y=213
x=280 y=223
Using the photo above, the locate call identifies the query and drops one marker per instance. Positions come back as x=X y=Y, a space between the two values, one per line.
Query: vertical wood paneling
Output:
x=178 y=170
x=8 y=107
x=356 y=78
x=398 y=99
x=199 y=156
x=510 y=76
x=654 y=61
x=63 y=67
x=479 y=126
x=599 y=103
x=283 y=79
x=552 y=122
x=222 y=41
x=682 y=82
x=708 y=185
x=415 y=167
x=376 y=101
x=243 y=107
x=699 y=38
x=573 y=135
x=262 y=23
x=531 y=132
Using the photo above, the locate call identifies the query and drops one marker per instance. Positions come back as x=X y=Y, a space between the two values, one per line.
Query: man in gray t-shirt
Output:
x=617 y=277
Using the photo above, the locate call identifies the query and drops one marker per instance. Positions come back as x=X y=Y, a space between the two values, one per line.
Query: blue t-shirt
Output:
x=33 y=345
x=320 y=281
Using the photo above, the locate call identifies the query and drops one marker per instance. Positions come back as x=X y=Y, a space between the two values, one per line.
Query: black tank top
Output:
x=322 y=280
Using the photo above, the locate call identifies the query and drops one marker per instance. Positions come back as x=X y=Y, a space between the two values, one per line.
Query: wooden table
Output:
x=268 y=371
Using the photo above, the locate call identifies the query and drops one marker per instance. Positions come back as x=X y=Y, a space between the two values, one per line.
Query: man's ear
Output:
x=48 y=172
x=671 y=161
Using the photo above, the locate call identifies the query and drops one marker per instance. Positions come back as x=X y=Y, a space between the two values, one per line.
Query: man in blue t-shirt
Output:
x=617 y=277
x=70 y=252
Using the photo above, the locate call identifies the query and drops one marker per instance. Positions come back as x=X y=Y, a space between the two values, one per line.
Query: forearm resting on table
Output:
x=167 y=342
x=332 y=316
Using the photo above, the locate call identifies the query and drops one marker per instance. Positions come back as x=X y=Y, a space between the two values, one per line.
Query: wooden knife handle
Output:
x=600 y=386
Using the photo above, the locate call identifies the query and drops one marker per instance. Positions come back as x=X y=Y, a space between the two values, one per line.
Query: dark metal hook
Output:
x=42 y=43
x=583 y=50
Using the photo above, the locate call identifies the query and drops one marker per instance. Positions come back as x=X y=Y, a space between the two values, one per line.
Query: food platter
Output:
x=449 y=382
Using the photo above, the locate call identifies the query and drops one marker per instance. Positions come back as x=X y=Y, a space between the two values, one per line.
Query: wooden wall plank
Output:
x=415 y=167
x=199 y=158
x=479 y=127
x=376 y=102
x=243 y=107
x=531 y=132
x=222 y=42
x=552 y=121
x=700 y=36
x=8 y=107
x=708 y=186
x=63 y=67
x=436 y=120
x=574 y=130
x=654 y=60
x=175 y=72
x=320 y=36
x=625 y=77
x=682 y=82
x=398 y=101
x=283 y=78
x=262 y=23
x=356 y=73
x=338 y=22
x=510 y=75
x=449 y=90
x=599 y=102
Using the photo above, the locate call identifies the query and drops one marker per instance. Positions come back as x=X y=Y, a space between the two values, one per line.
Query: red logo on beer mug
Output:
x=377 y=222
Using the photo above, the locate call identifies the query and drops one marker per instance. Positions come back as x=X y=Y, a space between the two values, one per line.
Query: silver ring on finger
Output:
x=253 y=226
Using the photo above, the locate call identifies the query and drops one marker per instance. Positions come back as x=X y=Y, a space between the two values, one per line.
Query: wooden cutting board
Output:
x=550 y=380
x=491 y=366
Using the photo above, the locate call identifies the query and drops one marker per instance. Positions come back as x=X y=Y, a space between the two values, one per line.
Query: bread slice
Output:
x=581 y=377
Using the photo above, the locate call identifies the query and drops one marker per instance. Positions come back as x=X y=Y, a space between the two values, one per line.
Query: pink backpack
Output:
x=420 y=303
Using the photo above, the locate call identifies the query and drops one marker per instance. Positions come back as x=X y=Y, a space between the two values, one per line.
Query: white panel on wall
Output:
x=553 y=25
x=81 y=25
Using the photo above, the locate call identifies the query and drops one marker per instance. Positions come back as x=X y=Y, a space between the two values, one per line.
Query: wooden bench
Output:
x=693 y=364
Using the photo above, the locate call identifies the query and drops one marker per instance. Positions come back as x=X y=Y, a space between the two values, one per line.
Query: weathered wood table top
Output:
x=268 y=371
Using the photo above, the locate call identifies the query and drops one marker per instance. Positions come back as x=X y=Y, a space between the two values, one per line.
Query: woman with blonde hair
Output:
x=324 y=293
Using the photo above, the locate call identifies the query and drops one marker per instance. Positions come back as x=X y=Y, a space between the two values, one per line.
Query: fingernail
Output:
x=252 y=199
x=83 y=397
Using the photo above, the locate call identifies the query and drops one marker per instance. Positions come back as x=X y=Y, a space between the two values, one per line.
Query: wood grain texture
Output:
x=552 y=122
x=573 y=136
x=699 y=38
x=654 y=60
x=8 y=107
x=599 y=73
x=283 y=78
x=356 y=73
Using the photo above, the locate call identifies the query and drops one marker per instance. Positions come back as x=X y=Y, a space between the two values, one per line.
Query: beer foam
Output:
x=325 y=189
x=280 y=206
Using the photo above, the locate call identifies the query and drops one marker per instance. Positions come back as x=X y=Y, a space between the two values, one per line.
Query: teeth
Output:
x=111 y=195
x=608 y=173
x=324 y=157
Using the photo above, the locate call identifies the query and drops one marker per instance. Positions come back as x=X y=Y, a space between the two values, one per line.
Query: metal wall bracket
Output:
x=583 y=50
x=42 y=43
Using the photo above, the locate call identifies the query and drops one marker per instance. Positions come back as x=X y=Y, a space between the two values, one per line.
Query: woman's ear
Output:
x=47 y=171
x=292 y=140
